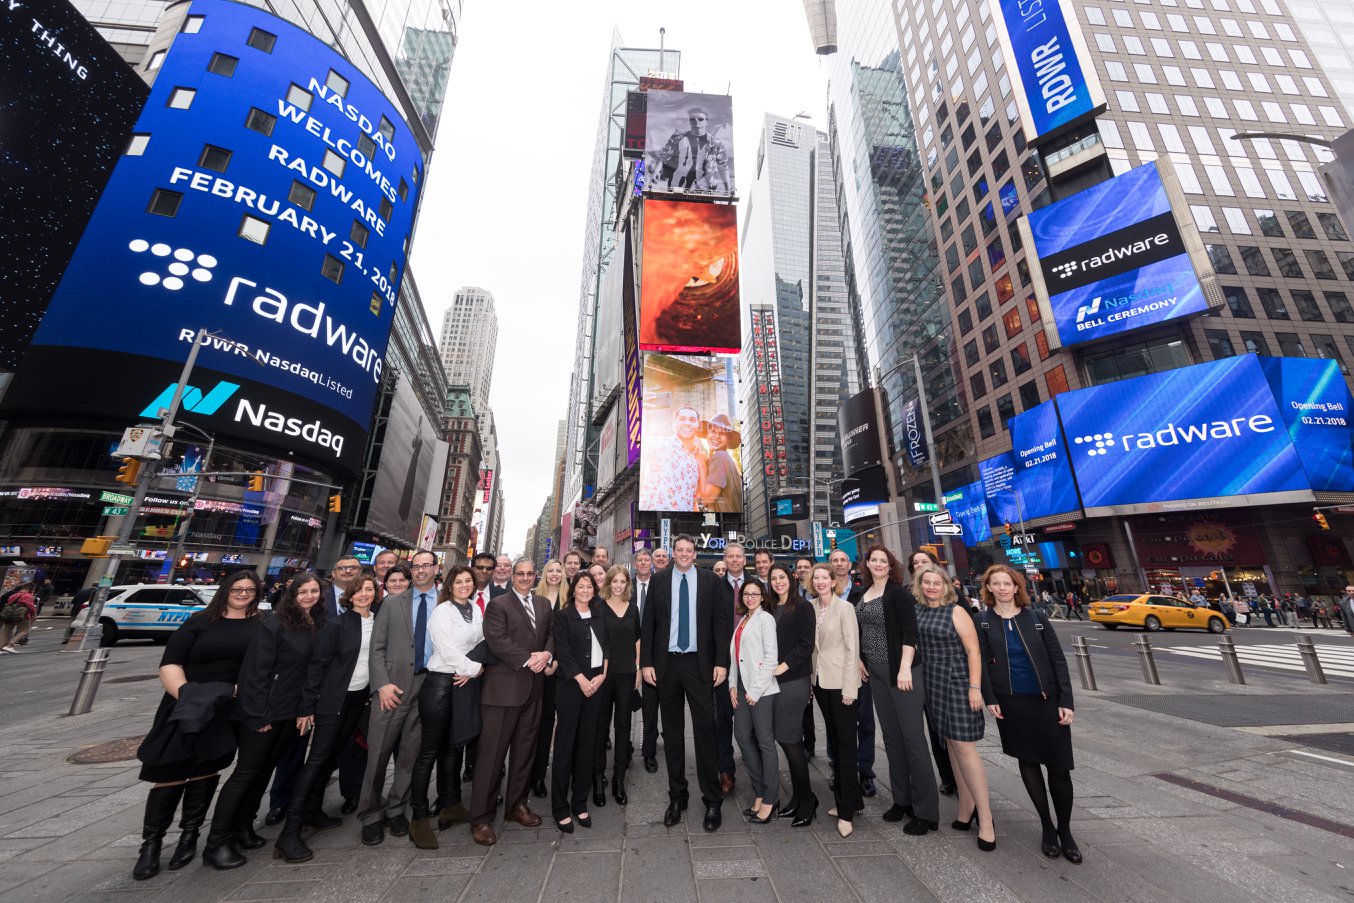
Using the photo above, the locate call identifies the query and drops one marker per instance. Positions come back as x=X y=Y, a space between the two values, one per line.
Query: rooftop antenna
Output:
x=662 y=32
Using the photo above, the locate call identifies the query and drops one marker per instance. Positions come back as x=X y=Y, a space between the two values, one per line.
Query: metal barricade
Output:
x=1149 y=665
x=1310 y=661
x=1227 y=648
x=1082 y=653
x=90 y=679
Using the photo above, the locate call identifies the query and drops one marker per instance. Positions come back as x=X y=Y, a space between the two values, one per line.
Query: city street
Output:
x=1192 y=790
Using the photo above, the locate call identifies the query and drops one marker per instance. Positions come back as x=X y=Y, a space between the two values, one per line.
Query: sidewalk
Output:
x=70 y=832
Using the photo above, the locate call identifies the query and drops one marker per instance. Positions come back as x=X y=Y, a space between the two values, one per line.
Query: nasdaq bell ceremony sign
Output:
x=1120 y=256
x=1055 y=82
x=267 y=196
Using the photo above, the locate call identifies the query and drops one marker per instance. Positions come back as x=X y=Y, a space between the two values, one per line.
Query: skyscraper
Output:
x=468 y=341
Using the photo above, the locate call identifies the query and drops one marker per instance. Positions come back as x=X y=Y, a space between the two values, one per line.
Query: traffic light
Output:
x=1008 y=529
x=256 y=481
x=184 y=563
x=129 y=472
x=1320 y=518
x=336 y=503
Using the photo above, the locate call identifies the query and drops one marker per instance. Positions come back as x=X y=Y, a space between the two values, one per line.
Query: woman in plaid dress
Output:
x=953 y=673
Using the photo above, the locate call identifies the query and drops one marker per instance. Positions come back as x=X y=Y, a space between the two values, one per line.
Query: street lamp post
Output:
x=187 y=521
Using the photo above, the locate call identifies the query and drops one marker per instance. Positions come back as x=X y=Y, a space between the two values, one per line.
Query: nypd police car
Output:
x=147 y=611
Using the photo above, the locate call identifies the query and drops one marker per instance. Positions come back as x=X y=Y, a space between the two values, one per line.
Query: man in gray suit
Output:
x=400 y=649
x=1346 y=606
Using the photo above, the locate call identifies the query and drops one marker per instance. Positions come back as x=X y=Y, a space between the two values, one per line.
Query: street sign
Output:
x=115 y=510
x=665 y=533
x=941 y=518
x=115 y=498
x=817 y=540
x=947 y=529
x=121 y=551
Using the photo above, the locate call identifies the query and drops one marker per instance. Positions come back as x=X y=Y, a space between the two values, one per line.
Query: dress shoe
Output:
x=845 y=828
x=1070 y=851
x=523 y=816
x=618 y=789
x=247 y=838
x=673 y=815
x=651 y=764
x=897 y=813
x=484 y=834
x=274 y=818
x=469 y=774
x=539 y=790
x=422 y=834
x=349 y=805
x=599 y=790
x=867 y=787
x=373 y=834
x=450 y=815
x=320 y=820
x=946 y=789
x=726 y=783
x=566 y=827
x=713 y=818
x=583 y=819
x=290 y=847
x=399 y=825
x=988 y=846
x=805 y=820
x=789 y=811
x=770 y=816
x=965 y=825
x=1050 y=845
x=918 y=827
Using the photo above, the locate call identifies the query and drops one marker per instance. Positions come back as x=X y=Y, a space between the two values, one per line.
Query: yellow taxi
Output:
x=1154 y=613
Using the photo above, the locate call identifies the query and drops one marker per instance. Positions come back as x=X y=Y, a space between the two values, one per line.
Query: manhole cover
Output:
x=112 y=751
x=133 y=678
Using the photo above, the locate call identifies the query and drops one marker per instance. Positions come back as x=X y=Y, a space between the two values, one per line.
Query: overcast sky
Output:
x=505 y=204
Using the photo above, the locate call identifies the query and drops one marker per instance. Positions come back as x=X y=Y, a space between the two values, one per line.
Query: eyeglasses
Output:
x=242 y=591
x=524 y=573
x=752 y=595
x=424 y=567
x=351 y=567
x=483 y=567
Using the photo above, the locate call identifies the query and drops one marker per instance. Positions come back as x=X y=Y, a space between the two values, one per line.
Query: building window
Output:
x=1219 y=343
x=1272 y=303
x=299 y=97
x=1320 y=263
x=332 y=268
x=260 y=122
x=192 y=24
x=334 y=163
x=404 y=190
x=387 y=128
x=1290 y=345
x=1029 y=395
x=1011 y=319
x=1346 y=259
x=386 y=209
x=137 y=146
x=1055 y=381
x=965 y=319
x=1306 y=304
x=1327 y=349
x=254 y=229
x=997 y=371
x=1338 y=302
x=986 y=429
x=971 y=355
x=164 y=202
x=978 y=387
x=1041 y=345
x=214 y=158
x=1237 y=302
x=1300 y=224
x=1255 y=343
x=1005 y=410
x=359 y=234
x=223 y=64
x=336 y=83
x=990 y=340
x=156 y=60
x=1287 y=263
x=1221 y=258
x=302 y=195
x=262 y=40
x=181 y=98
x=1269 y=224
x=1331 y=225
x=1254 y=260
x=983 y=304
x=375 y=304
x=1020 y=359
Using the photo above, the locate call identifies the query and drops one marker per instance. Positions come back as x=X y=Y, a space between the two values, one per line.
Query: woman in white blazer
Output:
x=836 y=681
x=753 y=658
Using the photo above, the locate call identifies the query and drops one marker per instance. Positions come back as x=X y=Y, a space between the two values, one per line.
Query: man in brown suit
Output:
x=517 y=629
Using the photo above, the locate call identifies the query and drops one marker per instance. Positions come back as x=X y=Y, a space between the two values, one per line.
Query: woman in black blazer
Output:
x=336 y=692
x=580 y=649
x=267 y=705
x=795 y=632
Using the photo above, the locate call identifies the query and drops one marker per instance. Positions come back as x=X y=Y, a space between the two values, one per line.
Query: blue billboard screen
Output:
x=1056 y=91
x=968 y=508
x=1112 y=258
x=268 y=198
x=998 y=477
x=1209 y=435
x=1043 y=468
x=1319 y=413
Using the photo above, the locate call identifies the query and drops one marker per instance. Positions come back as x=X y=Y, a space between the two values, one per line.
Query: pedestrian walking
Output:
x=1028 y=690
x=16 y=618
x=795 y=629
x=581 y=644
x=836 y=683
x=1073 y=606
x=1321 y=615
x=553 y=588
x=753 y=658
x=1345 y=609
x=615 y=700
x=198 y=670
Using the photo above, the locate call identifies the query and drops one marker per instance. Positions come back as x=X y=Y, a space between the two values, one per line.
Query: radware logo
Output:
x=193 y=400
x=185 y=263
x=1173 y=434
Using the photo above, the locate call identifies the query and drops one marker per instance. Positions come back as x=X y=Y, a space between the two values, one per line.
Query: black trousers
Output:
x=810 y=729
x=864 y=755
x=649 y=743
x=238 y=800
x=681 y=685
x=330 y=735
x=724 y=727
x=545 y=736
x=352 y=759
x=576 y=725
x=615 y=715
x=839 y=721
x=284 y=776
x=434 y=713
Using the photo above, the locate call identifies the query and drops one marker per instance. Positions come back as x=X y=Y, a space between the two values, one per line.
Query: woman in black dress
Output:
x=337 y=691
x=939 y=753
x=580 y=648
x=622 y=682
x=1028 y=690
x=207 y=649
x=267 y=706
x=795 y=629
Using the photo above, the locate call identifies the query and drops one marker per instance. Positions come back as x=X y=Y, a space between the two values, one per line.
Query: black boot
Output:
x=599 y=790
x=220 y=852
x=161 y=804
x=197 y=799
x=289 y=845
x=618 y=788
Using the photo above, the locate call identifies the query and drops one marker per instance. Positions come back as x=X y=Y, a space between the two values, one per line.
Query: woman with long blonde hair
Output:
x=621 y=617
x=553 y=586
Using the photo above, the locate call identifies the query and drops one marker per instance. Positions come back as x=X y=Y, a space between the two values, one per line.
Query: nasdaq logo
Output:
x=193 y=400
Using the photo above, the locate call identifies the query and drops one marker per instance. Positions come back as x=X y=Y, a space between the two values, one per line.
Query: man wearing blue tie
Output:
x=684 y=652
x=400 y=650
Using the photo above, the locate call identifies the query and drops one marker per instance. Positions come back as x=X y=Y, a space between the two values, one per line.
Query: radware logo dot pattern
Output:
x=1100 y=442
x=184 y=263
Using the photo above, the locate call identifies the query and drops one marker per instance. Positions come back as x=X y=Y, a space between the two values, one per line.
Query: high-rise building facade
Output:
x=469 y=341
x=460 y=487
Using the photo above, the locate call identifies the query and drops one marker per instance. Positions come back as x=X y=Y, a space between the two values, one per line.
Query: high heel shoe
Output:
x=988 y=846
x=965 y=825
x=845 y=828
x=770 y=816
x=806 y=820
x=565 y=827
x=789 y=811
x=584 y=820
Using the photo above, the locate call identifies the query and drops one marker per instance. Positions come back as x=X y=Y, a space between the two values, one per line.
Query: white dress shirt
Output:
x=596 y=660
x=453 y=637
x=361 y=676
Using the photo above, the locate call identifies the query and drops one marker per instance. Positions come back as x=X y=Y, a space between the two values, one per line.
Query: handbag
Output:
x=636 y=700
x=13 y=613
x=482 y=654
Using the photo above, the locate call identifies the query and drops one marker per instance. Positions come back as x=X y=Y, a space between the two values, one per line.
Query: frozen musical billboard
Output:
x=688 y=299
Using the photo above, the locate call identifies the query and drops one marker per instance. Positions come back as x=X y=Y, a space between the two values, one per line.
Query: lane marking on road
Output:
x=1336 y=661
x=1311 y=755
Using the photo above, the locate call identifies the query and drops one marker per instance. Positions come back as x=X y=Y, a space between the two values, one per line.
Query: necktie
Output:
x=421 y=633
x=479 y=600
x=683 y=614
x=531 y=611
x=643 y=591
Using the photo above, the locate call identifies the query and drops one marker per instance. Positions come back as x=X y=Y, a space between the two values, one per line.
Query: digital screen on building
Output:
x=634 y=390
x=1205 y=436
x=1055 y=81
x=1118 y=257
x=267 y=197
x=399 y=494
x=688 y=143
x=688 y=292
x=67 y=104
x=1043 y=467
x=968 y=508
x=690 y=458
x=998 y=476
x=1319 y=413
x=858 y=423
x=863 y=493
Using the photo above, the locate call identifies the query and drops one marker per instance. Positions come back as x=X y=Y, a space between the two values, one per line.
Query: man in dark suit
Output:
x=684 y=652
x=735 y=572
x=648 y=693
x=517 y=629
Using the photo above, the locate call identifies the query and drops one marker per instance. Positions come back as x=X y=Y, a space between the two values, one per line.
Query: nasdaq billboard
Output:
x=1043 y=467
x=998 y=477
x=267 y=197
x=1207 y=436
x=1317 y=409
x=1055 y=83
x=968 y=508
x=1117 y=257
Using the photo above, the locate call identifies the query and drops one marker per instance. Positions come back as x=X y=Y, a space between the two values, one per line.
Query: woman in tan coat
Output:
x=836 y=681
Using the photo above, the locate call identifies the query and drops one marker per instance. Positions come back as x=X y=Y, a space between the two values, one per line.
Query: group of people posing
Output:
x=542 y=672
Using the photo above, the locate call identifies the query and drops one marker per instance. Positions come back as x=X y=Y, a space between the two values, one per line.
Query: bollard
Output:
x=90 y=678
x=1149 y=665
x=1307 y=649
x=1082 y=653
x=1229 y=659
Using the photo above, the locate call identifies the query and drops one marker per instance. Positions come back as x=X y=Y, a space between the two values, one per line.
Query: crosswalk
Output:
x=1336 y=661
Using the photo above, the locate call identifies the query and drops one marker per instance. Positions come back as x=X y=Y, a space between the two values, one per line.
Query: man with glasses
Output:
x=344 y=573
x=702 y=161
x=400 y=649
x=518 y=631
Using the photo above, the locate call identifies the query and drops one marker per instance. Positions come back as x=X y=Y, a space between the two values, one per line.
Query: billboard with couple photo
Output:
x=689 y=451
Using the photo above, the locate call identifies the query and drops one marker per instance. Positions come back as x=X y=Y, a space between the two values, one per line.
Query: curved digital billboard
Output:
x=268 y=196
